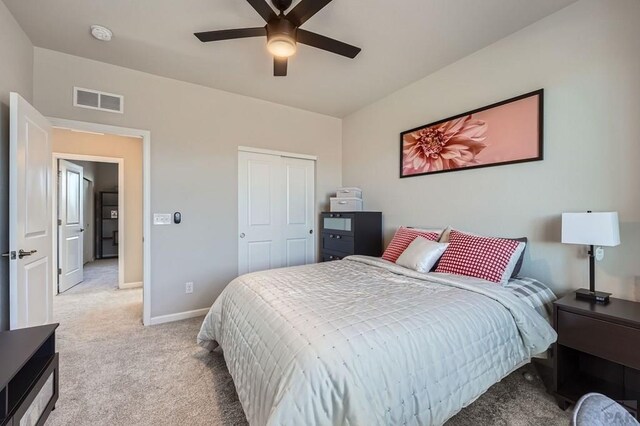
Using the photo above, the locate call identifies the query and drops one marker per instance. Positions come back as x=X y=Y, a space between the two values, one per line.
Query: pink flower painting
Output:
x=506 y=132
x=449 y=145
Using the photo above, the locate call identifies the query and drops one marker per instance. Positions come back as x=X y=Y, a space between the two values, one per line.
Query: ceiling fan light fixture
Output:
x=281 y=45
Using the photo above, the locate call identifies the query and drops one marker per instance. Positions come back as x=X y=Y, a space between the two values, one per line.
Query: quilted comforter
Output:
x=365 y=342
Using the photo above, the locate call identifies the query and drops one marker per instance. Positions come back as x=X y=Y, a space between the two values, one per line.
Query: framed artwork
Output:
x=506 y=132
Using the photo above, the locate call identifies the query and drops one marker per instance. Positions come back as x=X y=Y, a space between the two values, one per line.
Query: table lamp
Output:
x=594 y=230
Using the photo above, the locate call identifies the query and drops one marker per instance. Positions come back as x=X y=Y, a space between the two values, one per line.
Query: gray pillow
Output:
x=516 y=270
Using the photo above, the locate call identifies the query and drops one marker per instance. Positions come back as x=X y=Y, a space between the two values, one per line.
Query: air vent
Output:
x=101 y=101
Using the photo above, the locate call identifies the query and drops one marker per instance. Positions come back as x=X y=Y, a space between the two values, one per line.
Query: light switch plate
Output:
x=162 y=218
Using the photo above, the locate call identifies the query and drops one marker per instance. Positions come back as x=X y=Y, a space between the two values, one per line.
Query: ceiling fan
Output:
x=283 y=32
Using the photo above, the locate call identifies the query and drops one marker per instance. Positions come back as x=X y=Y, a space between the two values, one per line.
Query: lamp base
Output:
x=593 y=296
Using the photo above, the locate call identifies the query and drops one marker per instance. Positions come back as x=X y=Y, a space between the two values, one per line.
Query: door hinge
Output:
x=59 y=222
x=59 y=271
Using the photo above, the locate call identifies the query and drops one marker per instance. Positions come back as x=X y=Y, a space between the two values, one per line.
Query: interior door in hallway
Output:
x=275 y=211
x=88 y=238
x=30 y=212
x=70 y=225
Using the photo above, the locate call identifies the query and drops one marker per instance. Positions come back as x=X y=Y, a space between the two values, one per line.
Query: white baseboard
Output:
x=179 y=316
x=125 y=286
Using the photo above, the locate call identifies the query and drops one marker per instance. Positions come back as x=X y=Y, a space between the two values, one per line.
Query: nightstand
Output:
x=598 y=350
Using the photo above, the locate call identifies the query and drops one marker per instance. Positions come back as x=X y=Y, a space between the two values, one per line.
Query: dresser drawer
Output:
x=328 y=257
x=338 y=223
x=617 y=343
x=337 y=242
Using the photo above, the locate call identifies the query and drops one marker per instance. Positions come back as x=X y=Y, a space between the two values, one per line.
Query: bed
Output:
x=364 y=341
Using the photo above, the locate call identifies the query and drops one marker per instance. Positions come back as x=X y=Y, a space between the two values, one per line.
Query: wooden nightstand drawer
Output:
x=604 y=339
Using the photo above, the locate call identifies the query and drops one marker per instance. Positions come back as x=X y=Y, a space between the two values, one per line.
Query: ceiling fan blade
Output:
x=280 y=66
x=231 y=34
x=263 y=9
x=326 y=43
x=305 y=10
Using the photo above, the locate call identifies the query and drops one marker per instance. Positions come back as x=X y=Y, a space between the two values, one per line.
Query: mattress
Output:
x=364 y=342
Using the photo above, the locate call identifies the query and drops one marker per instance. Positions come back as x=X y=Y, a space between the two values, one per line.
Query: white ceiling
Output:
x=401 y=41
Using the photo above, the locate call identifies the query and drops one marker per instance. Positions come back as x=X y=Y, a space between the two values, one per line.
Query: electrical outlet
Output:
x=188 y=288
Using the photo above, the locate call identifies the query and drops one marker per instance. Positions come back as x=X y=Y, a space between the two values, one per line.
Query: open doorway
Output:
x=98 y=212
x=89 y=217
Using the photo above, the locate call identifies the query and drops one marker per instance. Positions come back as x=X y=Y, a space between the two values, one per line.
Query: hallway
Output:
x=99 y=275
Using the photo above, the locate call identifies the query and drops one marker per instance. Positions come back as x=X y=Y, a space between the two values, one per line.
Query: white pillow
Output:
x=421 y=254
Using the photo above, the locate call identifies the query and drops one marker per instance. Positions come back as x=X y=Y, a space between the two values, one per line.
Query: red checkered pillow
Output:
x=402 y=239
x=482 y=257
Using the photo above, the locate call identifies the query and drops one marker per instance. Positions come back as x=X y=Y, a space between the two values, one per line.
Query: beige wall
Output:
x=130 y=149
x=586 y=58
x=16 y=75
x=195 y=132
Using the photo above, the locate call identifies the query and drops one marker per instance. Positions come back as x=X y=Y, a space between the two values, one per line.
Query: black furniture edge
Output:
x=28 y=361
x=598 y=350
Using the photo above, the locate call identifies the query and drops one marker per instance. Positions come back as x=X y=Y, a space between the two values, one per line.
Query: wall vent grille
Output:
x=100 y=101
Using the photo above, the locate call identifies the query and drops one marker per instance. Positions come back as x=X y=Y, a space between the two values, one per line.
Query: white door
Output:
x=70 y=225
x=299 y=218
x=275 y=211
x=30 y=228
x=87 y=243
x=260 y=209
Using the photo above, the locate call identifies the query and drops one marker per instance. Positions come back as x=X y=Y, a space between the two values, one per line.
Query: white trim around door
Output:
x=146 y=183
x=277 y=153
x=121 y=188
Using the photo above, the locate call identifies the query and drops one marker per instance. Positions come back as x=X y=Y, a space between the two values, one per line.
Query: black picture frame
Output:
x=539 y=93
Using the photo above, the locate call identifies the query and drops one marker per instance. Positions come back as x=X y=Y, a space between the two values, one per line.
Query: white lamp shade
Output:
x=598 y=229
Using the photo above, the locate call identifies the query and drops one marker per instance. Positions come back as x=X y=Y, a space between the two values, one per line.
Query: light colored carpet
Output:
x=114 y=371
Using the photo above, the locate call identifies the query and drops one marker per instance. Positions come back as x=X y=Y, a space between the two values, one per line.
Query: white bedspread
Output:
x=365 y=342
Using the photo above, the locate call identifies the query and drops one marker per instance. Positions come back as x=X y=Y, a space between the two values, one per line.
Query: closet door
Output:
x=260 y=201
x=276 y=214
x=299 y=218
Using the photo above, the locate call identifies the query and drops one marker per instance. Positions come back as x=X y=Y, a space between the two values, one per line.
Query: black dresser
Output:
x=28 y=375
x=347 y=233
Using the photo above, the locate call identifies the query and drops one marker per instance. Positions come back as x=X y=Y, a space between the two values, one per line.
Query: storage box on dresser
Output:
x=348 y=233
x=349 y=193
x=346 y=204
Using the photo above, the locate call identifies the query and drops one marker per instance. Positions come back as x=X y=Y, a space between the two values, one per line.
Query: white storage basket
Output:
x=346 y=204
x=349 y=193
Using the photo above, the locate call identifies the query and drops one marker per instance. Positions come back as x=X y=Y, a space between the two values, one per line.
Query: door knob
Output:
x=310 y=231
x=81 y=229
x=242 y=235
x=23 y=253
